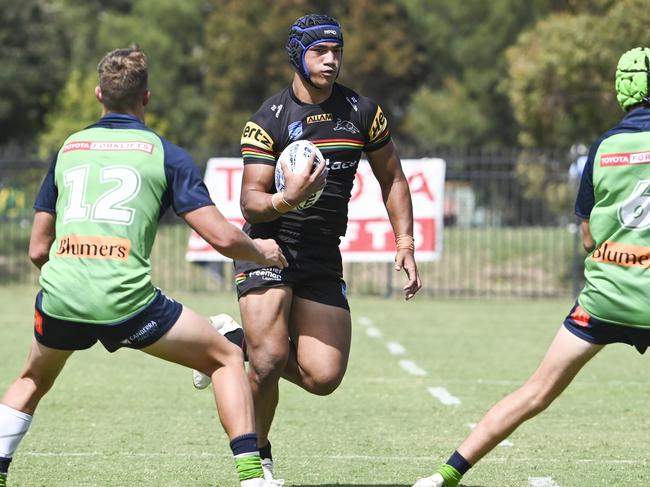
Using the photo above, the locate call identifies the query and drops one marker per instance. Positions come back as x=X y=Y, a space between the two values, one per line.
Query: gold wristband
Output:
x=404 y=241
x=279 y=204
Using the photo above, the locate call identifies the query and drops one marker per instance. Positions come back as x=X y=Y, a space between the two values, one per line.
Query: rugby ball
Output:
x=296 y=156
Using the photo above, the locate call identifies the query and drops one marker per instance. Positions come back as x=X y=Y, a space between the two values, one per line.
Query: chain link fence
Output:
x=509 y=231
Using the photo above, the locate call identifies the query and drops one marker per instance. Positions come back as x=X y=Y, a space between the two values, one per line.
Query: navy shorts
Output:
x=139 y=331
x=600 y=332
x=313 y=273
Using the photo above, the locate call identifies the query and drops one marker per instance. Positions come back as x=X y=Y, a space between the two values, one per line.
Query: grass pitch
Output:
x=126 y=419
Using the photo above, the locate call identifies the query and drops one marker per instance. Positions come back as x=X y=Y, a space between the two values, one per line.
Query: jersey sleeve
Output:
x=47 y=195
x=186 y=190
x=375 y=126
x=257 y=143
x=585 y=200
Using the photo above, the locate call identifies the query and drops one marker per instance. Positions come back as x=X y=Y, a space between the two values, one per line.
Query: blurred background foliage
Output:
x=498 y=74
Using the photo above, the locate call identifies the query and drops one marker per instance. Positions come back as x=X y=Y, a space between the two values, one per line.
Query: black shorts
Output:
x=139 y=331
x=600 y=332
x=314 y=273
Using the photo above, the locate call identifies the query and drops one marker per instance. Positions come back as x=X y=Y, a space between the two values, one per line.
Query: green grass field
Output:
x=130 y=420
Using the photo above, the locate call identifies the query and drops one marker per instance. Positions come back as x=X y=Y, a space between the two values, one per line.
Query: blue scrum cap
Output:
x=308 y=31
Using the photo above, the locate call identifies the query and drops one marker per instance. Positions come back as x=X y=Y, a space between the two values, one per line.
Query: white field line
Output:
x=503 y=443
x=542 y=482
x=396 y=348
x=412 y=368
x=373 y=332
x=364 y=321
x=443 y=395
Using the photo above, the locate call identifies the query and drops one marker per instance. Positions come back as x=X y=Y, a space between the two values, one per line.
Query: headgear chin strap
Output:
x=633 y=78
x=308 y=31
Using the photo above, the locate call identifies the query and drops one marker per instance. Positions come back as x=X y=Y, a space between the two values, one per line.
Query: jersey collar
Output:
x=119 y=121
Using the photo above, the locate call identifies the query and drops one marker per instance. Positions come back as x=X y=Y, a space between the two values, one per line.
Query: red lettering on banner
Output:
x=376 y=235
x=418 y=184
x=232 y=191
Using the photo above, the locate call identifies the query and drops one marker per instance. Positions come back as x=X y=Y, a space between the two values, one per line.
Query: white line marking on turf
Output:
x=396 y=348
x=542 y=482
x=443 y=395
x=364 y=321
x=412 y=368
x=373 y=332
x=503 y=443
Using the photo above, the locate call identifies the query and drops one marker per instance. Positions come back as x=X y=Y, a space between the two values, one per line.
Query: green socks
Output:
x=3 y=480
x=248 y=467
x=450 y=474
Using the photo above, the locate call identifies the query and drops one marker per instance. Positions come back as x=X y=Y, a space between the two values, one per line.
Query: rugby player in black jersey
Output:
x=297 y=320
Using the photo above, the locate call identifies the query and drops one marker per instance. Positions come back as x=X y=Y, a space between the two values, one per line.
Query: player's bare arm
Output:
x=230 y=241
x=587 y=239
x=257 y=202
x=43 y=234
x=387 y=168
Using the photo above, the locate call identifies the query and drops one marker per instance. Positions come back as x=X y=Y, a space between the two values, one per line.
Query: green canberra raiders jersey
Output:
x=615 y=197
x=108 y=186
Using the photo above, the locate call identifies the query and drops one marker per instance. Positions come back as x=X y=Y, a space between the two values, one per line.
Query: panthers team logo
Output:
x=346 y=125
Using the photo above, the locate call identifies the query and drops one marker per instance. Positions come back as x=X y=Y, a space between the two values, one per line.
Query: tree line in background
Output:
x=497 y=74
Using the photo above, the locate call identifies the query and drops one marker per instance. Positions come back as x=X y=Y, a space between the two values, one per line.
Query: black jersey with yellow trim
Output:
x=342 y=127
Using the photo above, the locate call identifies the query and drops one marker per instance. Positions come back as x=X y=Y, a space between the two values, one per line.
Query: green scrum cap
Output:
x=633 y=78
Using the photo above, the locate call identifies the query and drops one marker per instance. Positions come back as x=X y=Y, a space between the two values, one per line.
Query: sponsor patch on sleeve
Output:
x=256 y=136
x=379 y=126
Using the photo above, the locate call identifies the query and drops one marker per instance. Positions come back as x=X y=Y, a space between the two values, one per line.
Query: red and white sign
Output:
x=369 y=237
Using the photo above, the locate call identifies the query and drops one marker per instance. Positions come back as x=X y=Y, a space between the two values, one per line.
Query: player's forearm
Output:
x=399 y=207
x=42 y=237
x=235 y=244
x=222 y=235
x=259 y=207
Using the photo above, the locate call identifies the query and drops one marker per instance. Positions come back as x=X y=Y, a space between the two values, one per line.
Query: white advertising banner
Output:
x=369 y=237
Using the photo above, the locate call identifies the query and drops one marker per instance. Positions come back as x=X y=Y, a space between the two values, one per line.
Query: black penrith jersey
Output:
x=342 y=127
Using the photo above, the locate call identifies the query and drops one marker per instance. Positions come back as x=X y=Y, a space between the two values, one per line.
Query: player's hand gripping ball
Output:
x=296 y=156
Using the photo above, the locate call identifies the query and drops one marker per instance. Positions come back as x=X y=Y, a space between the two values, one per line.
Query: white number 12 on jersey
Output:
x=109 y=206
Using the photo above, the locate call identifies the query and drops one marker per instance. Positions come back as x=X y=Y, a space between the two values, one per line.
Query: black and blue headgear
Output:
x=308 y=31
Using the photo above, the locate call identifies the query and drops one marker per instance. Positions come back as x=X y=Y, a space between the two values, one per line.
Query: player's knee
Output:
x=34 y=383
x=324 y=382
x=234 y=356
x=538 y=396
x=268 y=364
x=231 y=356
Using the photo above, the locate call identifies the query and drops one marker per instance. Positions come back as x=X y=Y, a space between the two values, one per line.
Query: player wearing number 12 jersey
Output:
x=614 y=204
x=96 y=219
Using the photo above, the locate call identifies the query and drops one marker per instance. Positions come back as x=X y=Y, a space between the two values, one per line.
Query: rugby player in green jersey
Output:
x=614 y=205
x=96 y=219
x=297 y=320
